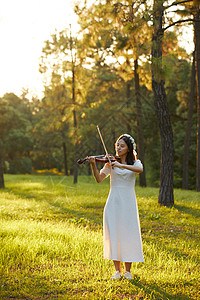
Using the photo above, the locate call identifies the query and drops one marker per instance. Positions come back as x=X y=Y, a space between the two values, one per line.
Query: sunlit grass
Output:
x=51 y=242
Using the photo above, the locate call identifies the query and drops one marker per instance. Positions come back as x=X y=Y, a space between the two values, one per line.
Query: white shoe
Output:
x=117 y=275
x=128 y=275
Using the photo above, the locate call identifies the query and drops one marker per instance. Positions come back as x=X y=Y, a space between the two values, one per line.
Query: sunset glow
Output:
x=24 y=26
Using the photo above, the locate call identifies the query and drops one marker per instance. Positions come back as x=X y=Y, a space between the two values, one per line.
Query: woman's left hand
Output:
x=116 y=164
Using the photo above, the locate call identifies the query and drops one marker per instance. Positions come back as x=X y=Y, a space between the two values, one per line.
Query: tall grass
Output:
x=51 y=243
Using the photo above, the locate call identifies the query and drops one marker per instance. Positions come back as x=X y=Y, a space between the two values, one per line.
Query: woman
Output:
x=121 y=227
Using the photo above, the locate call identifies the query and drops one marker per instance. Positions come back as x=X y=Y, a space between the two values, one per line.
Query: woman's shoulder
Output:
x=137 y=162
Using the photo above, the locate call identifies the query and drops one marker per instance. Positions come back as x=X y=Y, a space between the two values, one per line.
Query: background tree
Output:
x=121 y=33
x=189 y=127
x=111 y=51
x=15 y=134
x=55 y=115
x=197 y=49
x=166 y=183
x=65 y=46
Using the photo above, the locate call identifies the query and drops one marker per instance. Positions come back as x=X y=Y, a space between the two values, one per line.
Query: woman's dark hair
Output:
x=131 y=157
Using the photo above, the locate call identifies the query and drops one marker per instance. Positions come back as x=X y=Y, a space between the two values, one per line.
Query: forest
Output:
x=124 y=71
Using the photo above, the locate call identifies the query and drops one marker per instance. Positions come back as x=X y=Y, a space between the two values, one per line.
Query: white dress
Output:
x=121 y=226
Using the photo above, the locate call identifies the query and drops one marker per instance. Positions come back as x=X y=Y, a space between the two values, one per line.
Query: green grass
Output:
x=51 y=244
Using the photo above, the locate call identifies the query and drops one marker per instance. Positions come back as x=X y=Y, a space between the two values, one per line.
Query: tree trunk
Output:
x=140 y=135
x=128 y=95
x=73 y=59
x=114 y=139
x=189 y=128
x=197 y=48
x=75 y=128
x=2 y=185
x=65 y=158
x=166 y=196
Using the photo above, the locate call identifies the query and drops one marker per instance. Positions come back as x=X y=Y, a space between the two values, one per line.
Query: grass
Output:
x=51 y=244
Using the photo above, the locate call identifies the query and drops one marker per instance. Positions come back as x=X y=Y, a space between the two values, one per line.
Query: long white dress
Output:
x=121 y=226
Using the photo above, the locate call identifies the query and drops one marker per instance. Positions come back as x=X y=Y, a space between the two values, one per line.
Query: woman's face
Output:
x=121 y=148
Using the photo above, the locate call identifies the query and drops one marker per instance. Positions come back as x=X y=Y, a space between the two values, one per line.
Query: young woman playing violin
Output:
x=121 y=226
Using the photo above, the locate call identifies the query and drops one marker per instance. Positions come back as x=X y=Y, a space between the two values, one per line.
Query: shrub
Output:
x=20 y=166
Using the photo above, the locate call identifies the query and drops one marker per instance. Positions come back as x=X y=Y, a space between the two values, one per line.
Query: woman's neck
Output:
x=123 y=160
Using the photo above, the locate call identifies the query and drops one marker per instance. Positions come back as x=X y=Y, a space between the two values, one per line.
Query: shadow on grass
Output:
x=188 y=210
x=83 y=215
x=79 y=216
x=156 y=291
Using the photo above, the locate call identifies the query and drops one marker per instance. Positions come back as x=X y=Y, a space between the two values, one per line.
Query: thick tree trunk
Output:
x=189 y=128
x=166 y=196
x=140 y=135
x=197 y=48
x=65 y=158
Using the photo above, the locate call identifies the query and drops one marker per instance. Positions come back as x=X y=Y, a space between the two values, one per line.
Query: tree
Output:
x=189 y=127
x=72 y=46
x=64 y=48
x=197 y=49
x=116 y=29
x=56 y=114
x=192 y=10
x=166 y=177
x=166 y=196
x=14 y=126
x=2 y=185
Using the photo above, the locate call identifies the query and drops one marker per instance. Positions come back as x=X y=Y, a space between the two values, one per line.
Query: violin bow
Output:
x=103 y=144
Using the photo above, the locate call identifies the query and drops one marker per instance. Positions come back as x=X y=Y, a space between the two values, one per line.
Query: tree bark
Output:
x=166 y=196
x=2 y=185
x=128 y=95
x=75 y=128
x=197 y=48
x=65 y=158
x=140 y=134
x=189 y=128
x=74 y=112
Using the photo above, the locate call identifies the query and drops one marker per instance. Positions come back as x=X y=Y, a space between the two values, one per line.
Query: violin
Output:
x=100 y=159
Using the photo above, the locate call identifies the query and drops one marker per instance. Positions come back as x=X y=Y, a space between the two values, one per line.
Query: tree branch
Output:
x=178 y=22
x=177 y=3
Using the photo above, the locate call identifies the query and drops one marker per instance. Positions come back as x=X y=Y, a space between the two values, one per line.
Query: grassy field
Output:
x=51 y=244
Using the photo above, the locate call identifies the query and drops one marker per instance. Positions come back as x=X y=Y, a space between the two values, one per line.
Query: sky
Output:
x=24 y=26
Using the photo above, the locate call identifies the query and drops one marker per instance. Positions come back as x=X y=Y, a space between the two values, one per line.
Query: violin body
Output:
x=100 y=159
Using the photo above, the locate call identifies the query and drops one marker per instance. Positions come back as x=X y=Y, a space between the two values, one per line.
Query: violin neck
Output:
x=81 y=161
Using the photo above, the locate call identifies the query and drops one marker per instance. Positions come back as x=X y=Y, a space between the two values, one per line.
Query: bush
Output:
x=20 y=166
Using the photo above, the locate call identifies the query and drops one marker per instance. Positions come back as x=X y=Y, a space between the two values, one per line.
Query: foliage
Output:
x=15 y=133
x=20 y=166
x=113 y=34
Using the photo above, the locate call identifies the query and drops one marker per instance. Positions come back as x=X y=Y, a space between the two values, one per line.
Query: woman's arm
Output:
x=137 y=169
x=98 y=176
